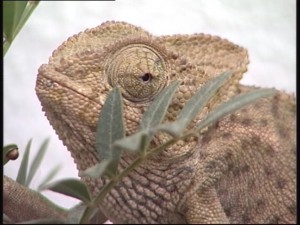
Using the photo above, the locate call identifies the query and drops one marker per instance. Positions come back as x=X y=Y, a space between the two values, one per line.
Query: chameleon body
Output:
x=242 y=170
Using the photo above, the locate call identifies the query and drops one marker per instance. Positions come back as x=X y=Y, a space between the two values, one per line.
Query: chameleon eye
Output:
x=139 y=70
x=146 y=77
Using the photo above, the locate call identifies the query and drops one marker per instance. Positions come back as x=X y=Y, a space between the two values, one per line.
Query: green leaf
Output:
x=22 y=173
x=233 y=104
x=135 y=142
x=13 y=11
x=31 y=5
x=99 y=169
x=15 y=14
x=110 y=128
x=6 y=150
x=152 y=117
x=201 y=97
x=6 y=46
x=36 y=162
x=158 y=108
x=71 y=187
x=86 y=214
x=173 y=128
x=75 y=214
x=49 y=177
x=194 y=105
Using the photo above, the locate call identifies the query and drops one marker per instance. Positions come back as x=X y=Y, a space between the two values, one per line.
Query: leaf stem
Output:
x=212 y=118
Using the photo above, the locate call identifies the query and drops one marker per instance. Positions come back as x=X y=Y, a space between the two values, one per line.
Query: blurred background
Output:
x=266 y=28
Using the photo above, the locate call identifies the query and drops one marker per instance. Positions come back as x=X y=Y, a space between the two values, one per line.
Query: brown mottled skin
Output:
x=241 y=170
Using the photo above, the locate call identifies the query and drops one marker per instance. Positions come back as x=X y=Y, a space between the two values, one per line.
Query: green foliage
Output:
x=22 y=173
x=136 y=142
x=101 y=169
x=111 y=140
x=15 y=14
x=234 y=104
x=158 y=108
x=194 y=106
x=155 y=115
x=36 y=162
x=109 y=132
x=25 y=178
x=139 y=141
x=71 y=187
x=150 y=125
x=51 y=174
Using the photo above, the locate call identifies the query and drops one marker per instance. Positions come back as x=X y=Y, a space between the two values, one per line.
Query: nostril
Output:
x=146 y=77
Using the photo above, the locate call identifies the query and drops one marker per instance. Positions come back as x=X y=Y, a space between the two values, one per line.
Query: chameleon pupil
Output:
x=146 y=77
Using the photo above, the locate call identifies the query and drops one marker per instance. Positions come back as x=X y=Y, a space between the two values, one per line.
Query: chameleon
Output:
x=241 y=170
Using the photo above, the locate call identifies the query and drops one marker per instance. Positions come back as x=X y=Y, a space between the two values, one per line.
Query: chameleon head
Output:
x=73 y=86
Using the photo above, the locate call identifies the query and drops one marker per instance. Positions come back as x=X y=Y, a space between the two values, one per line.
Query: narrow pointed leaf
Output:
x=158 y=108
x=98 y=170
x=112 y=168
x=110 y=128
x=49 y=177
x=22 y=173
x=71 y=187
x=135 y=142
x=153 y=117
x=233 y=104
x=194 y=106
x=15 y=16
x=200 y=99
x=13 y=11
x=174 y=128
x=36 y=162
x=75 y=214
x=31 y=5
x=6 y=45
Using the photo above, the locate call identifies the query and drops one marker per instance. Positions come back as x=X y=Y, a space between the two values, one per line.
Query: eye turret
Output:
x=139 y=70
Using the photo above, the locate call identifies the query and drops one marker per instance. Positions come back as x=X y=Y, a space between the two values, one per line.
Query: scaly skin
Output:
x=240 y=171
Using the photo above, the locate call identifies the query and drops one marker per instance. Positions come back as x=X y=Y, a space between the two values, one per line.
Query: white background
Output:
x=266 y=28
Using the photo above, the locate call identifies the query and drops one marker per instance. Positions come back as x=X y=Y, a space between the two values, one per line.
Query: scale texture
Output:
x=241 y=170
